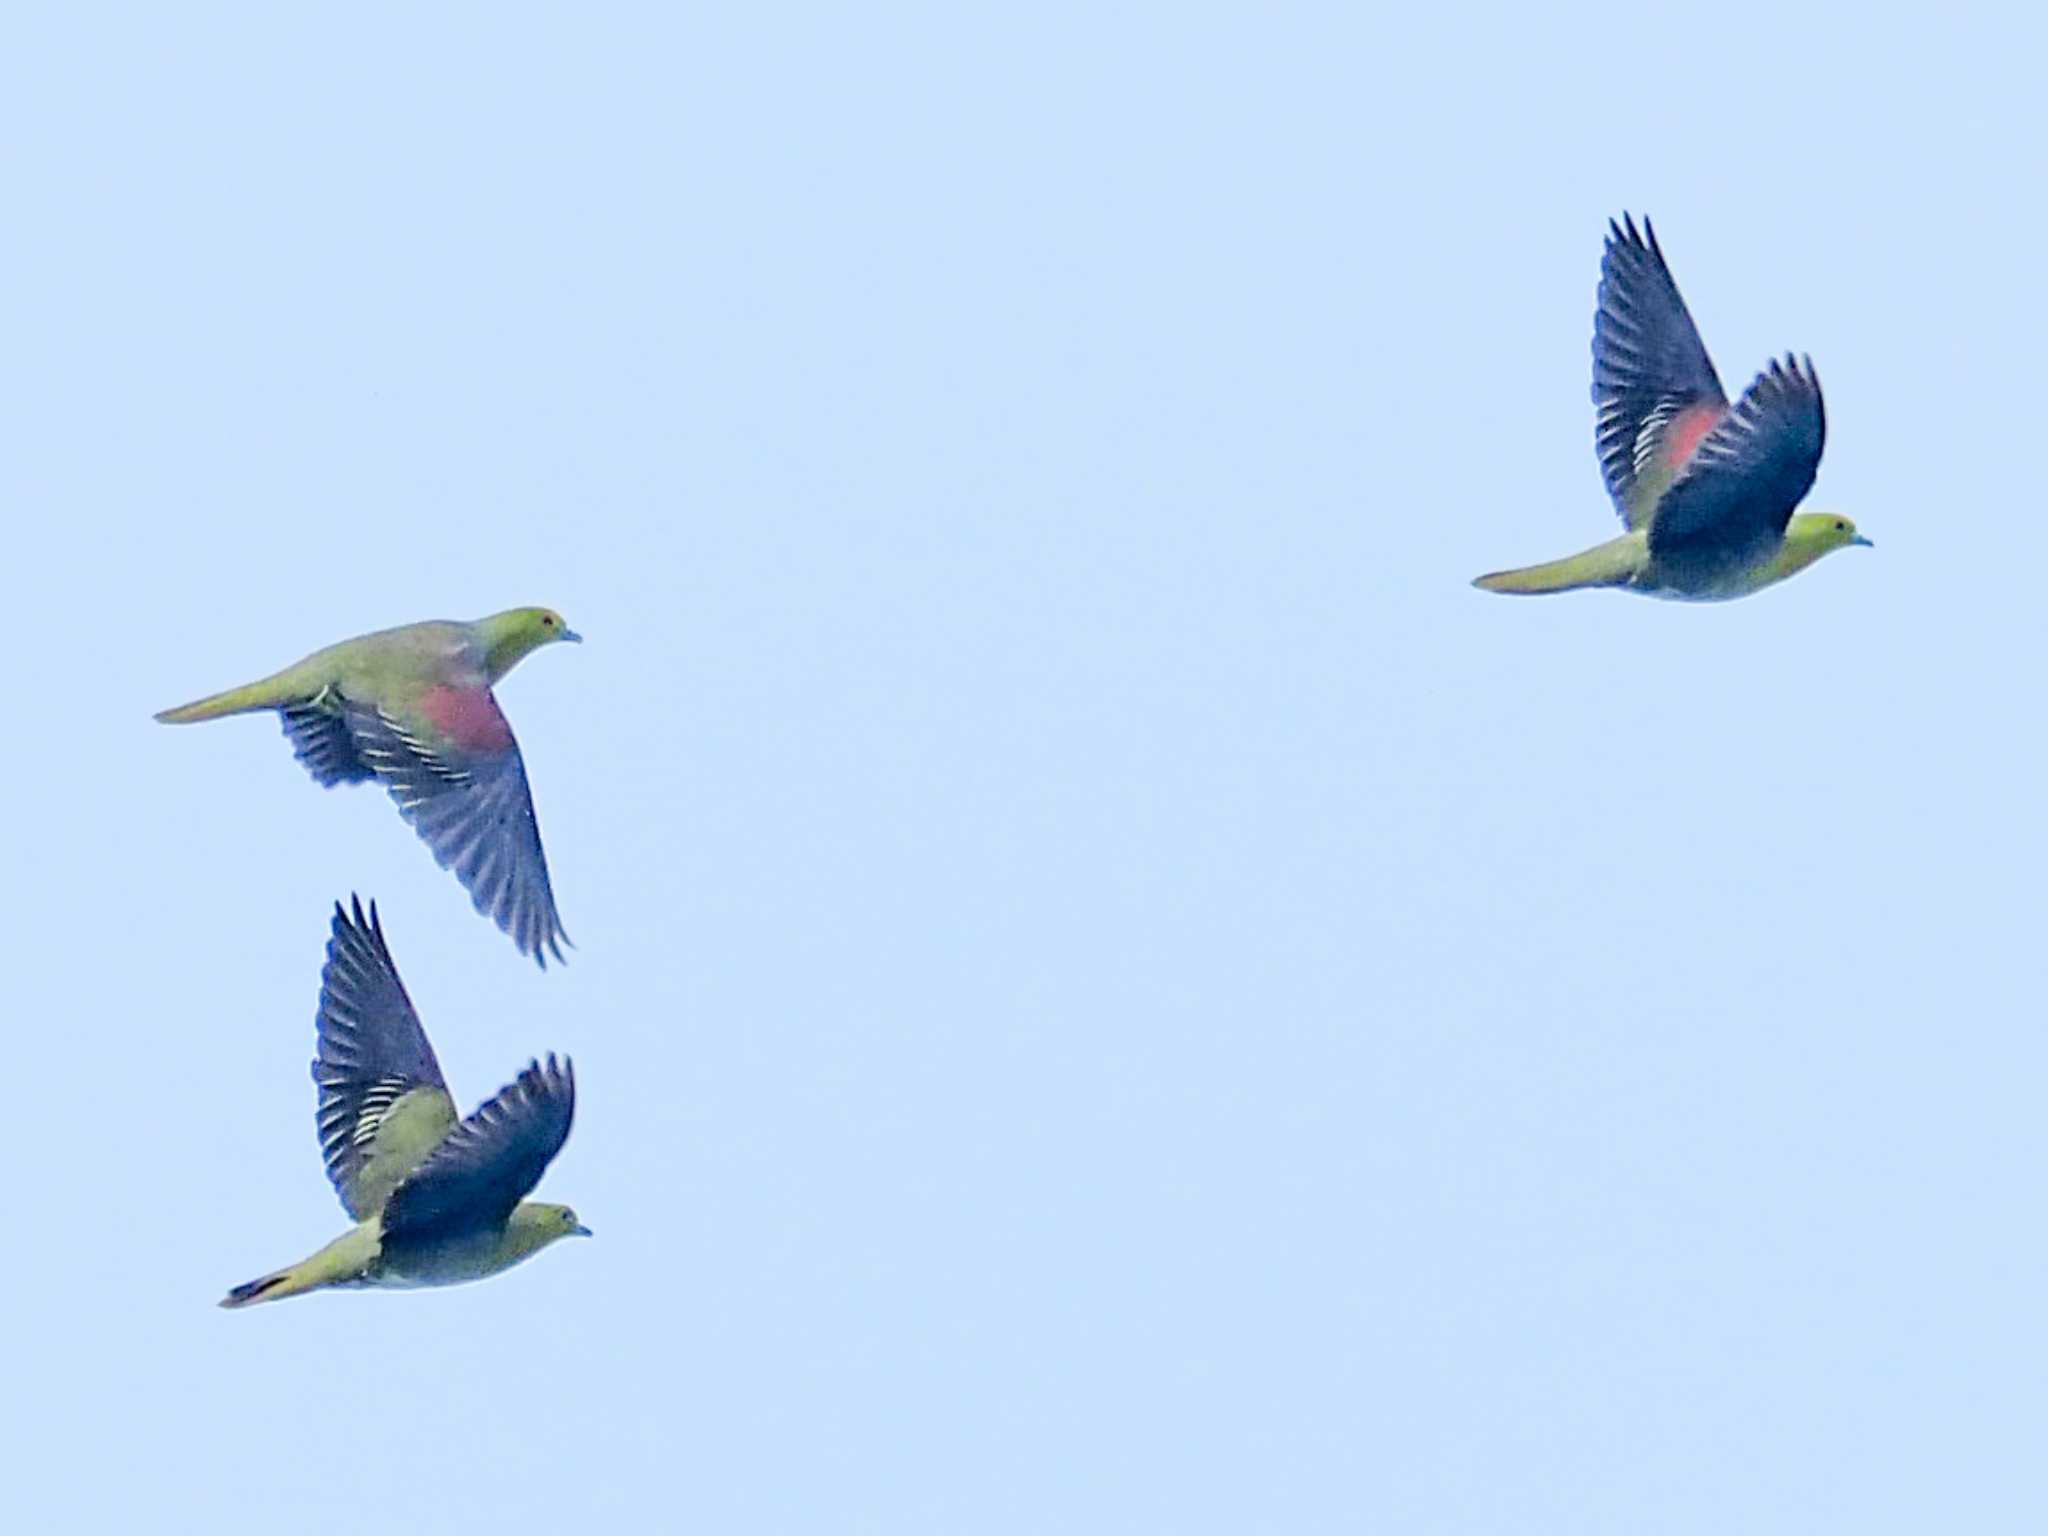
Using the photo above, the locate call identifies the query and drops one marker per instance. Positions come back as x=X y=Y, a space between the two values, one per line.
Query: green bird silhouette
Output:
x=1706 y=490
x=435 y=1202
x=412 y=707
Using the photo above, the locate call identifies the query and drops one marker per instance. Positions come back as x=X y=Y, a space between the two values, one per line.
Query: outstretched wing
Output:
x=1739 y=489
x=488 y=1163
x=383 y=1103
x=1654 y=387
x=460 y=781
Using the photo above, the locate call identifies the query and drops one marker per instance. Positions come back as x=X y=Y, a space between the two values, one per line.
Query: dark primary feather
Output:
x=1648 y=360
x=476 y=814
x=487 y=1164
x=372 y=1049
x=1738 y=490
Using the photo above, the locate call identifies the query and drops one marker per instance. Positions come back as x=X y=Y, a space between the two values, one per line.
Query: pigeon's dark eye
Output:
x=1839 y=528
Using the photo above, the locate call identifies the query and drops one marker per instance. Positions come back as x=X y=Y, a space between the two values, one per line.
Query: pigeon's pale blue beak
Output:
x=570 y=635
x=585 y=1232
x=1859 y=539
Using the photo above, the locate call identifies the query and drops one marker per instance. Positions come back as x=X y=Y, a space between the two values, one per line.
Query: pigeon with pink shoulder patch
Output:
x=1708 y=491
x=412 y=709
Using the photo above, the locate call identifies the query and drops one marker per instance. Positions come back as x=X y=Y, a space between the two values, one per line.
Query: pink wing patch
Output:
x=469 y=717
x=1687 y=430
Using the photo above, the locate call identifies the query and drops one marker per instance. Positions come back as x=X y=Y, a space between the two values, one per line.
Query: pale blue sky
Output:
x=1114 y=992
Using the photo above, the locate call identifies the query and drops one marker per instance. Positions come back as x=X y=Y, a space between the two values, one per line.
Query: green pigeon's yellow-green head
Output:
x=1823 y=532
x=1807 y=537
x=510 y=637
x=535 y=1224
x=566 y=1222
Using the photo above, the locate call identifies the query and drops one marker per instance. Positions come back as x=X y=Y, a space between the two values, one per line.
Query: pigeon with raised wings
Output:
x=1706 y=490
x=436 y=1201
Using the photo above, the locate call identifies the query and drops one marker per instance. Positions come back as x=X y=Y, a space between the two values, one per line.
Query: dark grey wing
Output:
x=488 y=1163
x=1740 y=487
x=383 y=1103
x=474 y=810
x=1654 y=387
x=318 y=732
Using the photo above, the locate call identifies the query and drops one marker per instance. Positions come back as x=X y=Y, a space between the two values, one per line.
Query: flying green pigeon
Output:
x=1705 y=489
x=412 y=707
x=435 y=1203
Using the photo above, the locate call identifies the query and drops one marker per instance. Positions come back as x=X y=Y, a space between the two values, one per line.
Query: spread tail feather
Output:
x=1613 y=564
